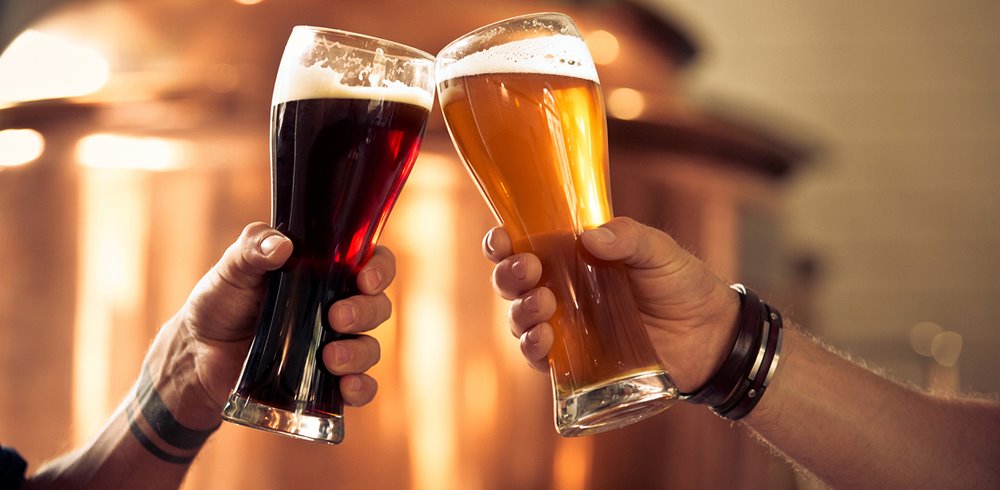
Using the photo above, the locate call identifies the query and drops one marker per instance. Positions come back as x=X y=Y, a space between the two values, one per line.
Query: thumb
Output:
x=259 y=249
x=226 y=298
x=637 y=245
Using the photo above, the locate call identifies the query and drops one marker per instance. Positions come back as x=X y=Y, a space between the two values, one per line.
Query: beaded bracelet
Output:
x=734 y=390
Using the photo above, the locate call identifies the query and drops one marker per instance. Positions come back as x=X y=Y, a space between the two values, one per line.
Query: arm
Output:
x=176 y=403
x=139 y=447
x=847 y=425
x=853 y=428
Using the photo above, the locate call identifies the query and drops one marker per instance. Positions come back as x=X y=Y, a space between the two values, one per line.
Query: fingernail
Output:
x=603 y=235
x=519 y=268
x=356 y=384
x=488 y=244
x=345 y=314
x=341 y=354
x=270 y=244
x=372 y=278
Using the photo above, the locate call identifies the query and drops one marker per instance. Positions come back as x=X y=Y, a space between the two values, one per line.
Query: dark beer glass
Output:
x=523 y=104
x=347 y=118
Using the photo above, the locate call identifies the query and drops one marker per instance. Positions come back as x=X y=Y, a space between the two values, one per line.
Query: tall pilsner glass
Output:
x=347 y=119
x=524 y=108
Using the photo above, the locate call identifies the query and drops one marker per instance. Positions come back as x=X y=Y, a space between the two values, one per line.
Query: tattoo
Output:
x=163 y=424
x=151 y=446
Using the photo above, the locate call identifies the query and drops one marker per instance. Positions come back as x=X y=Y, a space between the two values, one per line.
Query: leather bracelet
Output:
x=761 y=373
x=724 y=383
x=734 y=390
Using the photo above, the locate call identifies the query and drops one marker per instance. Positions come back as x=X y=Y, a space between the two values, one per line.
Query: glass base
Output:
x=244 y=411
x=615 y=404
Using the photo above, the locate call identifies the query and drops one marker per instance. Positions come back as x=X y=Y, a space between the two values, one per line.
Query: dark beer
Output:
x=347 y=116
x=338 y=165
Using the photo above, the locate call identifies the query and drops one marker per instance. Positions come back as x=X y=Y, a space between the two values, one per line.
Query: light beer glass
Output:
x=523 y=104
x=347 y=118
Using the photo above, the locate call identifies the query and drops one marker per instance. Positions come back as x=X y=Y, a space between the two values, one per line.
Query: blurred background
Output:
x=841 y=159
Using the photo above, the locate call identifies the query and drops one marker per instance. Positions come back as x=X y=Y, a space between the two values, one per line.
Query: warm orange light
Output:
x=114 y=233
x=39 y=66
x=572 y=459
x=626 y=103
x=921 y=336
x=603 y=46
x=480 y=388
x=428 y=322
x=130 y=152
x=20 y=147
x=222 y=78
x=946 y=347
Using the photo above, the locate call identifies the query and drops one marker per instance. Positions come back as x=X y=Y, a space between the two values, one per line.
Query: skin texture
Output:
x=196 y=357
x=843 y=423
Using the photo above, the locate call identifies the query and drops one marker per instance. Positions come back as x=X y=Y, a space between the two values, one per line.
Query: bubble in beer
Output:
x=321 y=81
x=554 y=55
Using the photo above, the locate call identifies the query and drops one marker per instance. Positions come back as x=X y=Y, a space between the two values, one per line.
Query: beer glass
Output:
x=523 y=104
x=347 y=118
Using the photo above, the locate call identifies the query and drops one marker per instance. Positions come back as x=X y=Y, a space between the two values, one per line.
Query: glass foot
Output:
x=615 y=404
x=244 y=411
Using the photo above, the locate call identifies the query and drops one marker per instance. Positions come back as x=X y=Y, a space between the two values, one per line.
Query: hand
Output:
x=219 y=317
x=689 y=312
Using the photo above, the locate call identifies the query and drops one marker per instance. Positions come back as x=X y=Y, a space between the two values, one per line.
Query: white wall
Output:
x=904 y=204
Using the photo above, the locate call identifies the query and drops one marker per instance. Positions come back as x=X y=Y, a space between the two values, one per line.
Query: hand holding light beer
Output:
x=347 y=118
x=523 y=104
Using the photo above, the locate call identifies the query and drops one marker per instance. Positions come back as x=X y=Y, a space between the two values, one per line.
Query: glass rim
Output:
x=492 y=25
x=418 y=53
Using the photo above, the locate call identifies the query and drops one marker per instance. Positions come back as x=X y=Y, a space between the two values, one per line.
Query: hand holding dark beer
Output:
x=689 y=312
x=348 y=114
x=219 y=318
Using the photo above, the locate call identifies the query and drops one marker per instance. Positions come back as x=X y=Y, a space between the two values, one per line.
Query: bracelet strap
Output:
x=734 y=390
x=762 y=371
x=724 y=382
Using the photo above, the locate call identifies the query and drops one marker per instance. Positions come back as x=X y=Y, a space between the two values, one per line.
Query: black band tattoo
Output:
x=163 y=424
x=150 y=445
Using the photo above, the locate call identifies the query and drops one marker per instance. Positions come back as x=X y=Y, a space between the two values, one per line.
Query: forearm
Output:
x=855 y=429
x=151 y=439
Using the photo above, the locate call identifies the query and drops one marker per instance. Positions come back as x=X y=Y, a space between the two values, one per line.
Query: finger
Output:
x=378 y=273
x=537 y=306
x=497 y=245
x=359 y=313
x=351 y=356
x=259 y=249
x=225 y=300
x=635 y=244
x=358 y=389
x=516 y=274
x=535 y=346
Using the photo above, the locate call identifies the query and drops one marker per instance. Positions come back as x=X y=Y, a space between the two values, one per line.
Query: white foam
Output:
x=297 y=82
x=555 y=55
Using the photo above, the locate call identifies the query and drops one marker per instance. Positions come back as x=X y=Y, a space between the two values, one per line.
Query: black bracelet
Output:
x=721 y=385
x=760 y=374
x=739 y=383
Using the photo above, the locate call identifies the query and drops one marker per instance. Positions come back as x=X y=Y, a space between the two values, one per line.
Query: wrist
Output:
x=738 y=384
x=171 y=372
x=170 y=414
x=715 y=336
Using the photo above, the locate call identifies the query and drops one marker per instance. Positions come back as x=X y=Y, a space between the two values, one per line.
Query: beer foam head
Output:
x=297 y=82
x=554 y=55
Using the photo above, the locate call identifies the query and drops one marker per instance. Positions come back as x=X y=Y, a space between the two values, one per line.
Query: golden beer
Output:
x=527 y=117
